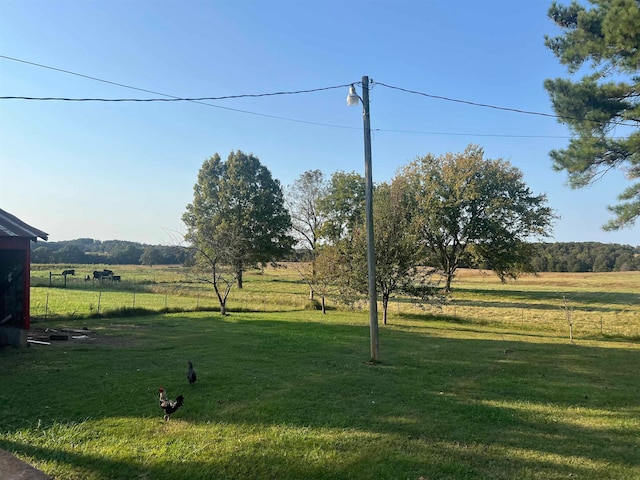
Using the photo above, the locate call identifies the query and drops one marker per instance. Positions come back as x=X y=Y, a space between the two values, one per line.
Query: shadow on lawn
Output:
x=449 y=407
x=525 y=298
x=420 y=458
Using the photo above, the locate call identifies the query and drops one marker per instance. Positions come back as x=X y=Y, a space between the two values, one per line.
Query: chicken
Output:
x=163 y=395
x=169 y=406
x=191 y=374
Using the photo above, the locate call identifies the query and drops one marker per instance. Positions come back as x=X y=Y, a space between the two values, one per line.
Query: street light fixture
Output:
x=352 y=100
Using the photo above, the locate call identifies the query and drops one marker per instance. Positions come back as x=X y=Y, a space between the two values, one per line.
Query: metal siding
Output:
x=12 y=226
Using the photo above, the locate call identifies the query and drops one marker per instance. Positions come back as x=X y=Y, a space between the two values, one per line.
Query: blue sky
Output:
x=126 y=170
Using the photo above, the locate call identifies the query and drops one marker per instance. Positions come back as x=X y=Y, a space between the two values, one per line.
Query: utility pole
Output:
x=352 y=99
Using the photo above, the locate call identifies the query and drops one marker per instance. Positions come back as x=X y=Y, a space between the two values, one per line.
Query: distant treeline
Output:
x=549 y=257
x=586 y=257
x=110 y=252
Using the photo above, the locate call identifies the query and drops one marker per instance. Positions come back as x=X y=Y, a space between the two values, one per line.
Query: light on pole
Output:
x=352 y=100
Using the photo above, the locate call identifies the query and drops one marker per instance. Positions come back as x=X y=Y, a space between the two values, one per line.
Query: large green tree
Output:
x=398 y=251
x=343 y=211
x=602 y=108
x=343 y=206
x=240 y=201
x=464 y=202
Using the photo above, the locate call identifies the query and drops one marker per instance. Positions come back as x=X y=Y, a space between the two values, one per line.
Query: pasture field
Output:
x=157 y=289
x=597 y=304
x=468 y=392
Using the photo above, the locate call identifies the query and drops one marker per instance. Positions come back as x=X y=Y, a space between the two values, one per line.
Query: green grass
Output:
x=602 y=304
x=157 y=289
x=287 y=396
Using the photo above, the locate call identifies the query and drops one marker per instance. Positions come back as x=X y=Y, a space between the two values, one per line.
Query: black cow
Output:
x=101 y=275
x=68 y=272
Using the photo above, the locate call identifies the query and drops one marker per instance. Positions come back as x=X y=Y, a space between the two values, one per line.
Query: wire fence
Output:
x=581 y=322
x=95 y=299
x=54 y=302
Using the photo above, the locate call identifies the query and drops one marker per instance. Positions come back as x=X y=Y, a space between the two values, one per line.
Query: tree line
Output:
x=586 y=257
x=547 y=257
x=110 y=252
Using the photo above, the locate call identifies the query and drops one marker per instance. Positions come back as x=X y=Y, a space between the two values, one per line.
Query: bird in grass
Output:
x=191 y=374
x=169 y=406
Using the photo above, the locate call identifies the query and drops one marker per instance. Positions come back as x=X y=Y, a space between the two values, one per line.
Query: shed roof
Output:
x=12 y=226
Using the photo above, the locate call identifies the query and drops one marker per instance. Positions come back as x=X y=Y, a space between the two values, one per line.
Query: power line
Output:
x=486 y=105
x=175 y=98
x=462 y=134
x=84 y=76
x=467 y=102
x=170 y=98
x=202 y=101
x=178 y=99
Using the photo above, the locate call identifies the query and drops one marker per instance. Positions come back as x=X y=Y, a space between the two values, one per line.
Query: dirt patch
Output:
x=52 y=337
x=12 y=468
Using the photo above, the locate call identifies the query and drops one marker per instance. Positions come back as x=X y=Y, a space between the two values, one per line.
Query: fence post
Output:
x=99 y=299
x=46 y=307
x=134 y=299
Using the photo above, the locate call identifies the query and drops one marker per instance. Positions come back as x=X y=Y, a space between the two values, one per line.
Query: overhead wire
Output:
x=203 y=100
x=170 y=98
x=277 y=117
x=467 y=102
x=486 y=105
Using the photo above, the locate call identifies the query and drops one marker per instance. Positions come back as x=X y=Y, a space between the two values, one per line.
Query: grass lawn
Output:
x=289 y=395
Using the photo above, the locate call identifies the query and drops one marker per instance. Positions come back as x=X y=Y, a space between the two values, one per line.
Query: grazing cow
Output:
x=115 y=278
x=68 y=272
x=101 y=275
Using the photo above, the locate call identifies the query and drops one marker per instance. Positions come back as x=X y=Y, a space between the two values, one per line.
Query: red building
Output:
x=15 y=277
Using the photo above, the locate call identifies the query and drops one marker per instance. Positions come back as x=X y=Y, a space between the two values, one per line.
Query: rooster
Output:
x=169 y=406
x=191 y=374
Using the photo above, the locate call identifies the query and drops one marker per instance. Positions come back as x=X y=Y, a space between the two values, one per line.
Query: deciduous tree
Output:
x=240 y=199
x=398 y=252
x=214 y=257
x=303 y=202
x=152 y=255
x=343 y=206
x=463 y=201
